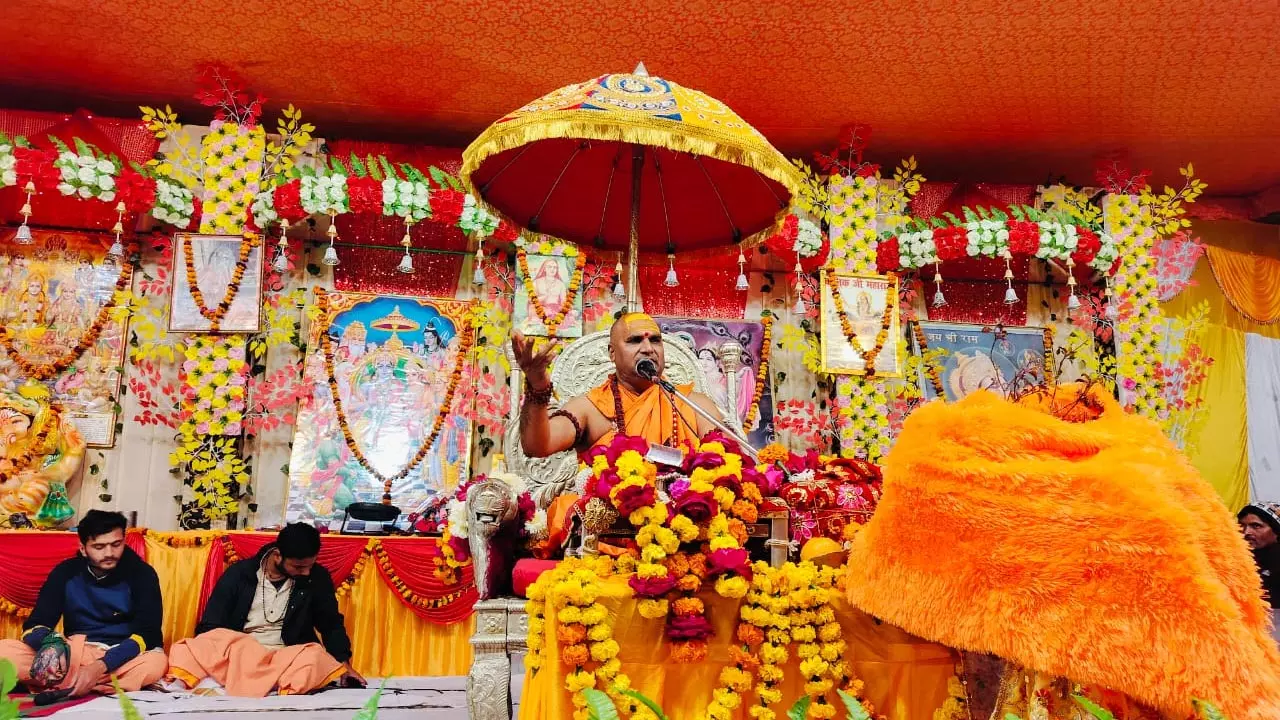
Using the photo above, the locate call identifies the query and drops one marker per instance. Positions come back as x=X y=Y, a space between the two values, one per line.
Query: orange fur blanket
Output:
x=1087 y=550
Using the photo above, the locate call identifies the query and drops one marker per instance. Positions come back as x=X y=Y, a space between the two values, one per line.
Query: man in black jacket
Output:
x=260 y=626
x=108 y=600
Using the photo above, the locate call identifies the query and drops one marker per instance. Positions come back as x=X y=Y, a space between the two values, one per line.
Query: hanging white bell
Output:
x=1073 y=302
x=1010 y=296
x=800 y=308
x=23 y=237
x=330 y=255
x=938 y=298
x=406 y=264
x=742 y=285
x=117 y=249
x=281 y=263
x=618 y=290
x=672 y=280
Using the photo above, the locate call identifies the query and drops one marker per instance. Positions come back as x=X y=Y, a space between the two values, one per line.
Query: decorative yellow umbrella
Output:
x=632 y=162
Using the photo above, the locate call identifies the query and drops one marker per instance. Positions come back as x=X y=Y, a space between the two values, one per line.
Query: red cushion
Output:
x=526 y=572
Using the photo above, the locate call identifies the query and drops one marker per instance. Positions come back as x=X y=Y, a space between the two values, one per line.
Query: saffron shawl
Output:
x=1090 y=550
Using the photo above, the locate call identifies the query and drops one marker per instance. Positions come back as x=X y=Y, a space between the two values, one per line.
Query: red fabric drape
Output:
x=338 y=553
x=979 y=303
x=703 y=292
x=28 y=560
x=137 y=541
x=374 y=270
x=410 y=570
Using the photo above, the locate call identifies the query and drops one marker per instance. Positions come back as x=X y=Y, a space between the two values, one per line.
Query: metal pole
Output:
x=718 y=422
x=633 y=249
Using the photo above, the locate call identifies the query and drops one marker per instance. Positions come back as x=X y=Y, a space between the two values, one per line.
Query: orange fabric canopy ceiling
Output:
x=999 y=91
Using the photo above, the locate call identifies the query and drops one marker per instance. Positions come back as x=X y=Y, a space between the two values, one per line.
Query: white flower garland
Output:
x=8 y=161
x=1056 y=240
x=264 y=208
x=986 y=237
x=175 y=204
x=1107 y=254
x=808 y=238
x=917 y=249
x=408 y=199
x=475 y=220
x=87 y=176
x=324 y=194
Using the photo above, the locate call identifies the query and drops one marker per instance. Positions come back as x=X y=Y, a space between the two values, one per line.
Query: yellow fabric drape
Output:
x=1221 y=451
x=181 y=571
x=906 y=678
x=1250 y=282
x=387 y=638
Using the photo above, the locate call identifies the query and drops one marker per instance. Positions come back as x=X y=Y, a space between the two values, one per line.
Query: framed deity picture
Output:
x=730 y=355
x=55 y=293
x=1004 y=360
x=391 y=398
x=855 y=309
x=555 y=298
x=227 y=275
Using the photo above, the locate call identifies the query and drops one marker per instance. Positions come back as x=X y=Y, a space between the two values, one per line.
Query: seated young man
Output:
x=108 y=600
x=259 y=628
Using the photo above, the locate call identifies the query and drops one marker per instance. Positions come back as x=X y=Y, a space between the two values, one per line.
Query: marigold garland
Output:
x=571 y=294
x=35 y=446
x=931 y=371
x=51 y=370
x=868 y=355
x=455 y=377
x=379 y=554
x=762 y=372
x=215 y=315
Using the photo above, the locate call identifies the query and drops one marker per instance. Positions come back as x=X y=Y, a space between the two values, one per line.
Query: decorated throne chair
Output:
x=501 y=622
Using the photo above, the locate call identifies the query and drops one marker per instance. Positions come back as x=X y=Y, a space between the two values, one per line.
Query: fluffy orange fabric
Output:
x=1090 y=550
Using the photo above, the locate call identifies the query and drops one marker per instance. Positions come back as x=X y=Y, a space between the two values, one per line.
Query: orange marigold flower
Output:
x=575 y=655
x=750 y=635
x=751 y=493
x=678 y=564
x=571 y=634
x=745 y=511
x=738 y=530
x=688 y=652
x=689 y=583
x=698 y=564
x=773 y=452
x=688 y=606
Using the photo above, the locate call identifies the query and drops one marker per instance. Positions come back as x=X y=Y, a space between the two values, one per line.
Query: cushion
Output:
x=526 y=572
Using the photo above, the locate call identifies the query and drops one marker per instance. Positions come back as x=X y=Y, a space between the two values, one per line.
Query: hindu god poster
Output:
x=860 y=322
x=734 y=387
x=1002 y=360
x=391 y=361
x=212 y=261
x=550 y=276
x=52 y=292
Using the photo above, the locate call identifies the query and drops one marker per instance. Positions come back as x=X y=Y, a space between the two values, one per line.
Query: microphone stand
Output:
x=718 y=422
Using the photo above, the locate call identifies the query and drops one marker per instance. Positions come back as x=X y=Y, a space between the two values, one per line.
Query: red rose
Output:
x=729 y=560
x=446 y=205
x=698 y=507
x=36 y=166
x=951 y=242
x=634 y=497
x=651 y=588
x=288 y=201
x=365 y=194
x=135 y=190
x=688 y=627
x=506 y=232
x=1087 y=246
x=887 y=257
x=1024 y=237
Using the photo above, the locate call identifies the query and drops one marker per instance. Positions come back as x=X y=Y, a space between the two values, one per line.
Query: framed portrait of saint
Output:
x=860 y=323
x=550 y=277
x=217 y=284
x=1004 y=360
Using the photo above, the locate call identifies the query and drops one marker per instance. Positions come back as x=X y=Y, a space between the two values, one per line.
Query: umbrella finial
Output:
x=641 y=70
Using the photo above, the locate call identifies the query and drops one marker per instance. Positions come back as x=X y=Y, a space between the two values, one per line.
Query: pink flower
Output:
x=688 y=627
x=202 y=428
x=190 y=366
x=236 y=380
x=1130 y=384
x=651 y=587
x=220 y=364
x=233 y=428
x=236 y=352
x=729 y=560
x=461 y=550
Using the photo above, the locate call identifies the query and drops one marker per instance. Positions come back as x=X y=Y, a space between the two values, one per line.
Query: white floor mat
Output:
x=419 y=698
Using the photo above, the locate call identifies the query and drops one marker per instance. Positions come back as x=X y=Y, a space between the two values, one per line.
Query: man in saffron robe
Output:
x=108 y=601
x=259 y=629
x=627 y=403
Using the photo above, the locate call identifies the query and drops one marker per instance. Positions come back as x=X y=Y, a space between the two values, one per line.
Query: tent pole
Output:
x=633 y=249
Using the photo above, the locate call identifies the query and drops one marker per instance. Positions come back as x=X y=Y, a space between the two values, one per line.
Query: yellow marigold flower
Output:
x=667 y=539
x=830 y=632
x=822 y=711
x=830 y=652
x=684 y=528
x=606 y=650
x=814 y=667
x=579 y=681
x=731 y=587
x=651 y=570
x=625 y=564
x=594 y=615
x=723 y=542
x=609 y=670
x=772 y=696
x=652 y=554
x=728 y=699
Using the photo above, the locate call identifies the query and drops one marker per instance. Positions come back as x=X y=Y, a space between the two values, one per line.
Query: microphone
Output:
x=647 y=369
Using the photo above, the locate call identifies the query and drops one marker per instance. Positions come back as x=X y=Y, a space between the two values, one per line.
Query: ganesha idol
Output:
x=40 y=450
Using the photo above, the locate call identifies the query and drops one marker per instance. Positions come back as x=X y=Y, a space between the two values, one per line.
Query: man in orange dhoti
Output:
x=259 y=628
x=108 y=600
x=627 y=403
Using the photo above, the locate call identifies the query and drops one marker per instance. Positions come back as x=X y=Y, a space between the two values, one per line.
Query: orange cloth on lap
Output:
x=246 y=668
x=145 y=669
